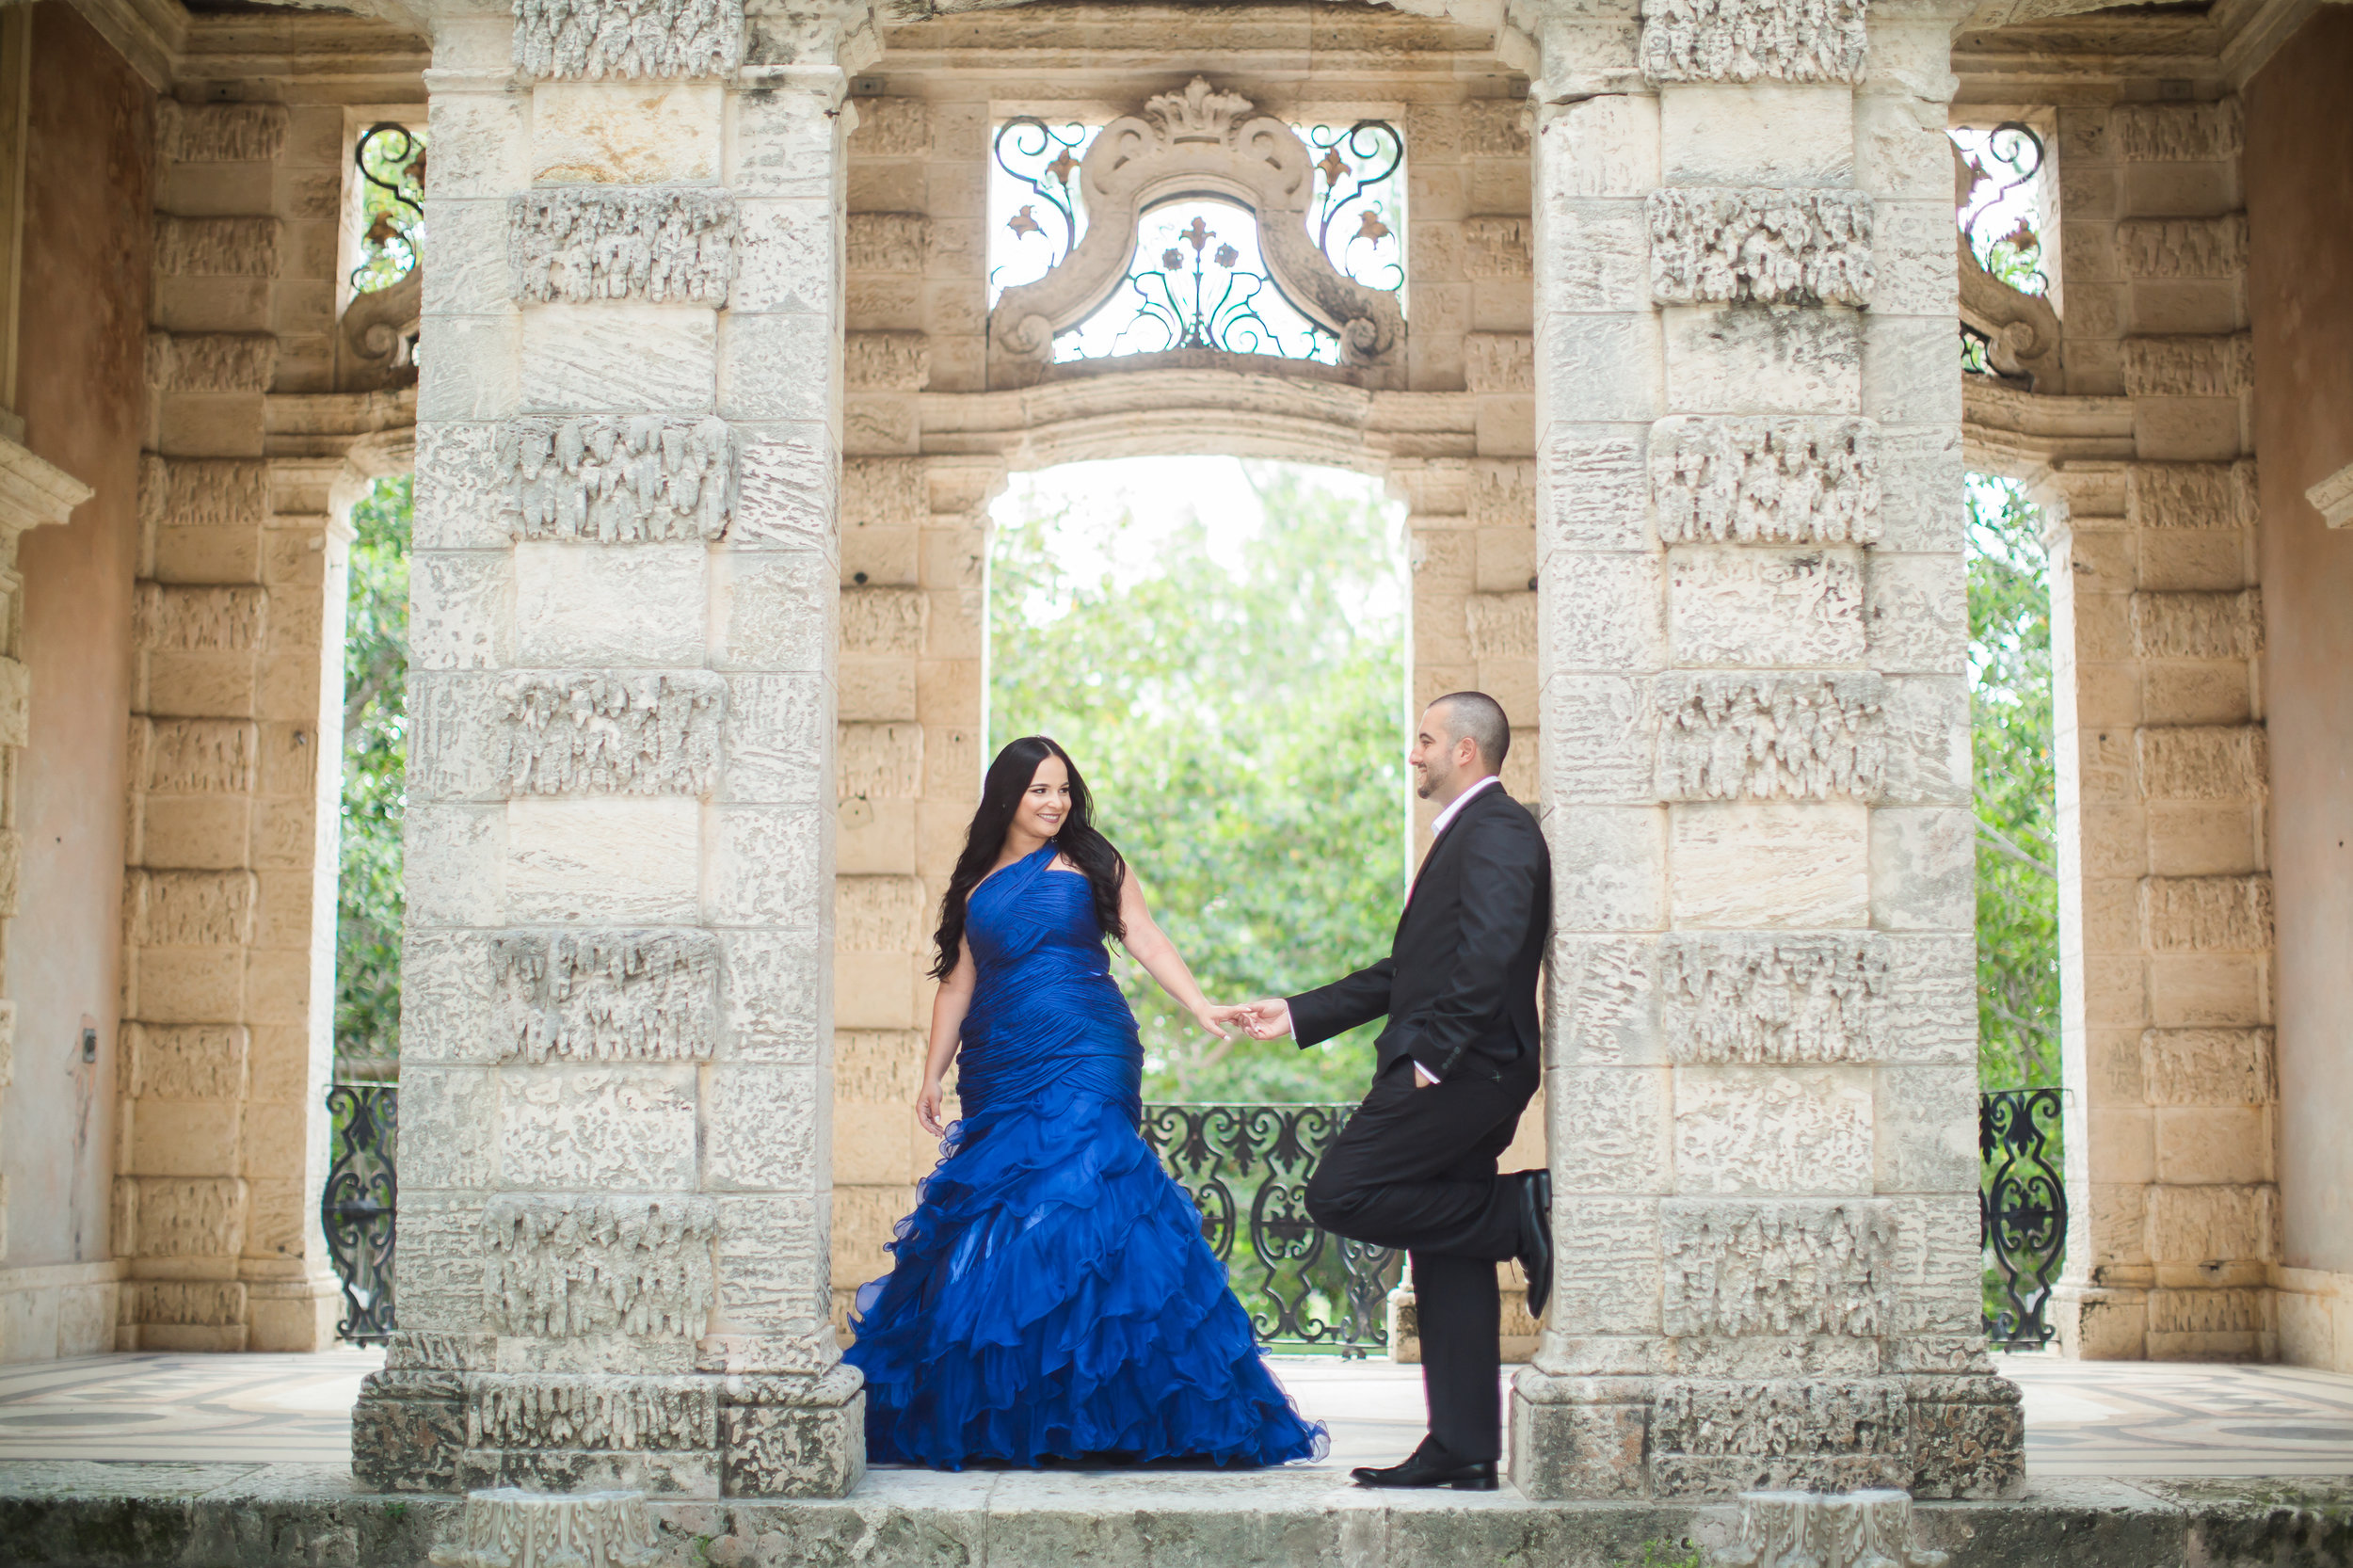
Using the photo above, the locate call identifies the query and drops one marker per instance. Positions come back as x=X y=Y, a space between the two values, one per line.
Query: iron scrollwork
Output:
x=1353 y=228
x=1044 y=160
x=1246 y=1168
x=2008 y=330
x=390 y=159
x=359 y=1208
x=2022 y=1213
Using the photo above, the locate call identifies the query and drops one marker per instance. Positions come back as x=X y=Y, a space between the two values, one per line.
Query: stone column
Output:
x=618 y=1031
x=1761 y=1031
x=228 y=932
x=2165 y=896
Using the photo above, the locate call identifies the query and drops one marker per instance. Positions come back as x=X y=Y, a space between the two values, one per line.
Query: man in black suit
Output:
x=1416 y=1166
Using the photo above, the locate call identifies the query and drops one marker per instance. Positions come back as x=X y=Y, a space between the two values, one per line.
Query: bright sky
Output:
x=1160 y=493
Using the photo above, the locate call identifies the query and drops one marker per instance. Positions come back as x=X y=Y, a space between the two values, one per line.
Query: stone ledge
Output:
x=172 y=1515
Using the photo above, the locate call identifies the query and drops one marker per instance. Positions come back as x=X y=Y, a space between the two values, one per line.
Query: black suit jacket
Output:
x=1459 y=985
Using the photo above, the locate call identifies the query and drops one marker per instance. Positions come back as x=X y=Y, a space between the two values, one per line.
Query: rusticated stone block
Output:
x=1813 y=1529
x=1770 y=737
x=1738 y=1266
x=407 y=1429
x=1567 y=1446
x=602 y=1411
x=1730 y=245
x=2206 y=914
x=886 y=361
x=190 y=909
x=1499 y=363
x=188 y=1062
x=878 y=914
x=618 y=481
x=891 y=128
x=2222 y=365
x=218 y=247
x=571 y=1265
x=220 y=132
x=2213 y=1224
x=2183 y=247
x=2207 y=1067
x=1819 y=1434
x=1748 y=40
x=1772 y=1132
x=884 y=492
x=1496 y=248
x=2191 y=495
x=191 y=1304
x=2198 y=625
x=884 y=621
x=169 y=619
x=2205 y=762
x=896 y=243
x=1501 y=626
x=794 y=1437
x=514 y=1527
x=182 y=1217
x=614 y=996
x=1765 y=481
x=593 y=731
x=187 y=493
x=1772 y=998
x=878 y=761
x=602 y=38
x=577 y=242
x=1492 y=127
x=199 y=756
x=2179 y=132
x=212 y=361
x=412 y=1351
x=1968 y=1437
x=1733 y=606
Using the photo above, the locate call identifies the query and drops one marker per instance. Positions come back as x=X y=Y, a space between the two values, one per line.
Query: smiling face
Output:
x=1045 y=804
x=1443 y=763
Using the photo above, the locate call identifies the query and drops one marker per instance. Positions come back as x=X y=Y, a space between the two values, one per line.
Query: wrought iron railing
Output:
x=2022 y=1213
x=358 y=1207
x=1246 y=1167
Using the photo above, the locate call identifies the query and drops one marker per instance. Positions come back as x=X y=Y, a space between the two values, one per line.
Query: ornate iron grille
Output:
x=2001 y=160
x=1246 y=1167
x=358 y=1207
x=2022 y=1213
x=390 y=159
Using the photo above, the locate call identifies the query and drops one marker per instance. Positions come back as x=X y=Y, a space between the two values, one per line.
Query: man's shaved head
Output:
x=1478 y=717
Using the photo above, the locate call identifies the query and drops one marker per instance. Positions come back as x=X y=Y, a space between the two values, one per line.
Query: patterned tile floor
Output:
x=2112 y=1419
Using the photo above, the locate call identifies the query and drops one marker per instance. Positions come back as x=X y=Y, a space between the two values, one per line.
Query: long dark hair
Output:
x=1009 y=778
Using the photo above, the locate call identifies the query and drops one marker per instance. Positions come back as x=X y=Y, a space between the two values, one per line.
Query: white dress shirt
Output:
x=1454 y=808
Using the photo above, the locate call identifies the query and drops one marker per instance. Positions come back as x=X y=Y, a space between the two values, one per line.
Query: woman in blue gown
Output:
x=1051 y=1295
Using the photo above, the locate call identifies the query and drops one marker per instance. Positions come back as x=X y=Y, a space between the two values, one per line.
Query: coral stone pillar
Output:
x=1762 y=1033
x=617 y=1031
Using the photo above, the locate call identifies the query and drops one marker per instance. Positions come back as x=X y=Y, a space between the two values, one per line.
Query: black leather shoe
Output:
x=1536 y=1239
x=1430 y=1465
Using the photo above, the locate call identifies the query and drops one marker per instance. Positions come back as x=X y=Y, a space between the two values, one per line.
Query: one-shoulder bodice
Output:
x=1046 y=1015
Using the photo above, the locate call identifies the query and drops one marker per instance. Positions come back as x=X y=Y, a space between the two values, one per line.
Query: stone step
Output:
x=93 y=1514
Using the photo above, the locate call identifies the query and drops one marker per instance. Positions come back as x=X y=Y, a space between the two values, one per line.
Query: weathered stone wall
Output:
x=2157 y=630
x=78 y=284
x=2299 y=167
x=1752 y=635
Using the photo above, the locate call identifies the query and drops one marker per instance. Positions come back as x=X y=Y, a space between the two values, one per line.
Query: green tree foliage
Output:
x=1242 y=732
x=2016 y=789
x=376 y=767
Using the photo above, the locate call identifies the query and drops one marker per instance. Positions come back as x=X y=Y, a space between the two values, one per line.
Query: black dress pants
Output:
x=1414 y=1170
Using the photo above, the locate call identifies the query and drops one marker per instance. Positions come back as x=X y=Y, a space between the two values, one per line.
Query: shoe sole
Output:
x=1490 y=1485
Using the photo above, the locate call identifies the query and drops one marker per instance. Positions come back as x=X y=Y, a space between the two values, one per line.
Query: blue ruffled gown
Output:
x=1052 y=1296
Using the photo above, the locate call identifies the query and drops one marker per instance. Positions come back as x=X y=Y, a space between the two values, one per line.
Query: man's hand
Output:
x=1269 y=1020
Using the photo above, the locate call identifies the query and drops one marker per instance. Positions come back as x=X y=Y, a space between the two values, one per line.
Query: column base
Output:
x=1934 y=1436
x=437 y=1420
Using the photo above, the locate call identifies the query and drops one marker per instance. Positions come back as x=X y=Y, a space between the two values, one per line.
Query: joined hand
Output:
x=1267 y=1019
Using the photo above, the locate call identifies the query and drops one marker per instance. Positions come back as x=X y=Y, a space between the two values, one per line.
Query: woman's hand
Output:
x=1215 y=1019
x=927 y=1108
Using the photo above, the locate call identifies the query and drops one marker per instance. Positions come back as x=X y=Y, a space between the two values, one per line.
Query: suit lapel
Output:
x=1439 y=845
